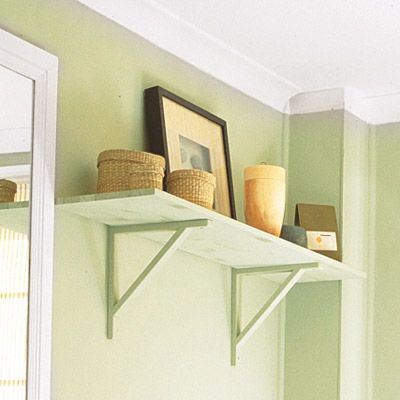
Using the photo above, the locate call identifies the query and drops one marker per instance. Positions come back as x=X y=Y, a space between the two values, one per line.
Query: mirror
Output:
x=16 y=112
x=28 y=94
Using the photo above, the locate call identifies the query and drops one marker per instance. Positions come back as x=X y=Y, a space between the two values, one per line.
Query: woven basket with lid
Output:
x=144 y=176
x=115 y=168
x=7 y=191
x=193 y=185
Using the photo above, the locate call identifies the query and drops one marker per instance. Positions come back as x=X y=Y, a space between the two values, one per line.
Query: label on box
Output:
x=317 y=240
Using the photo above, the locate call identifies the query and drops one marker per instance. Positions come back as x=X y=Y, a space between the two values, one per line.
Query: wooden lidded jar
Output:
x=265 y=195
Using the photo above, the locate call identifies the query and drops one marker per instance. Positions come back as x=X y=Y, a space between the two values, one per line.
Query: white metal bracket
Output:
x=238 y=336
x=181 y=231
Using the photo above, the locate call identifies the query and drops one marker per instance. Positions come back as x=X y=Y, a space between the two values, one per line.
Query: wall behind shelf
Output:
x=386 y=327
x=104 y=70
x=314 y=176
x=173 y=341
x=328 y=164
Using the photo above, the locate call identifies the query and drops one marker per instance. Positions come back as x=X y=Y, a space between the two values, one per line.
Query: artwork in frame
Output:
x=190 y=137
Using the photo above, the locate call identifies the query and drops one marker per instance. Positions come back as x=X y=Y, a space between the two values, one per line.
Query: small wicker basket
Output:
x=193 y=185
x=7 y=191
x=115 y=168
x=143 y=176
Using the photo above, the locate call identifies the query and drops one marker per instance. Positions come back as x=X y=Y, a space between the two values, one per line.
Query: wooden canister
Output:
x=265 y=193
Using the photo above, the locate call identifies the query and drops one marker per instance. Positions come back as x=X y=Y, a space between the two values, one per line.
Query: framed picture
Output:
x=190 y=138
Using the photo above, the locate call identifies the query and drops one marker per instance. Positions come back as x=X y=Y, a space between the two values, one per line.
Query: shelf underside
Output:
x=224 y=240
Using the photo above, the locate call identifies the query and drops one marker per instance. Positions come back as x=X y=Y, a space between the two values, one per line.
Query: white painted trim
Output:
x=281 y=350
x=175 y=35
x=158 y=25
x=42 y=68
x=374 y=110
x=380 y=110
x=317 y=101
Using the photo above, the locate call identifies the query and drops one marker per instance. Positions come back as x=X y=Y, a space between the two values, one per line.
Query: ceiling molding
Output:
x=317 y=101
x=375 y=110
x=167 y=31
x=150 y=20
x=378 y=110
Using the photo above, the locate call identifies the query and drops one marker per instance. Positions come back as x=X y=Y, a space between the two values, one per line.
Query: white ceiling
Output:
x=275 y=49
x=314 y=44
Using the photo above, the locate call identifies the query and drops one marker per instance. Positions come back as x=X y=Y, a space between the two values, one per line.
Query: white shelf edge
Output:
x=64 y=203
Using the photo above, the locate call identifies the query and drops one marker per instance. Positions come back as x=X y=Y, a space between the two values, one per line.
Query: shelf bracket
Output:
x=181 y=231
x=238 y=336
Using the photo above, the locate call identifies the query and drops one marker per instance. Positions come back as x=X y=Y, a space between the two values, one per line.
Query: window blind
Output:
x=14 y=281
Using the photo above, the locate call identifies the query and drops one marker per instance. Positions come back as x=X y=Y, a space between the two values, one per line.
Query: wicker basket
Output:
x=115 y=168
x=193 y=185
x=143 y=176
x=7 y=191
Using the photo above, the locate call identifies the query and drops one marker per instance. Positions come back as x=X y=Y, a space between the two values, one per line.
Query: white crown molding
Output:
x=375 y=110
x=167 y=31
x=150 y=20
x=317 y=101
x=379 y=110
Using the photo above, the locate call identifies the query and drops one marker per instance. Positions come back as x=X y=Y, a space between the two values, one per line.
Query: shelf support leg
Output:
x=163 y=255
x=234 y=315
x=181 y=232
x=269 y=306
x=238 y=338
x=110 y=282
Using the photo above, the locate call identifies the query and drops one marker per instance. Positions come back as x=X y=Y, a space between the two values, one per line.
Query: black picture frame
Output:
x=156 y=106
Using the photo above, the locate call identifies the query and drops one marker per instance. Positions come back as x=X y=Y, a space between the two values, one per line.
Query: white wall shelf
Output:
x=225 y=240
x=155 y=214
x=204 y=233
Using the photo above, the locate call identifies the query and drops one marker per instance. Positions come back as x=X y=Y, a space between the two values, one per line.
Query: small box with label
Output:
x=322 y=231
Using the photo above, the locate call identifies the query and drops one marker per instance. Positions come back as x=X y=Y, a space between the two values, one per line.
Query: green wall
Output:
x=164 y=348
x=386 y=353
x=315 y=160
x=356 y=189
x=312 y=356
x=326 y=323
x=312 y=342
x=103 y=72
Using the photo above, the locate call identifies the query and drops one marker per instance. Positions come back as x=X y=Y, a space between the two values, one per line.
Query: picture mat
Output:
x=180 y=121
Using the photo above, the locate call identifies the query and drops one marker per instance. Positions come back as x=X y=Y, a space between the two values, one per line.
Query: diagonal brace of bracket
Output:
x=239 y=337
x=181 y=231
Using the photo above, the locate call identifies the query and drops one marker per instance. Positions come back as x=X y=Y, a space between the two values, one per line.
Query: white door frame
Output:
x=42 y=67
